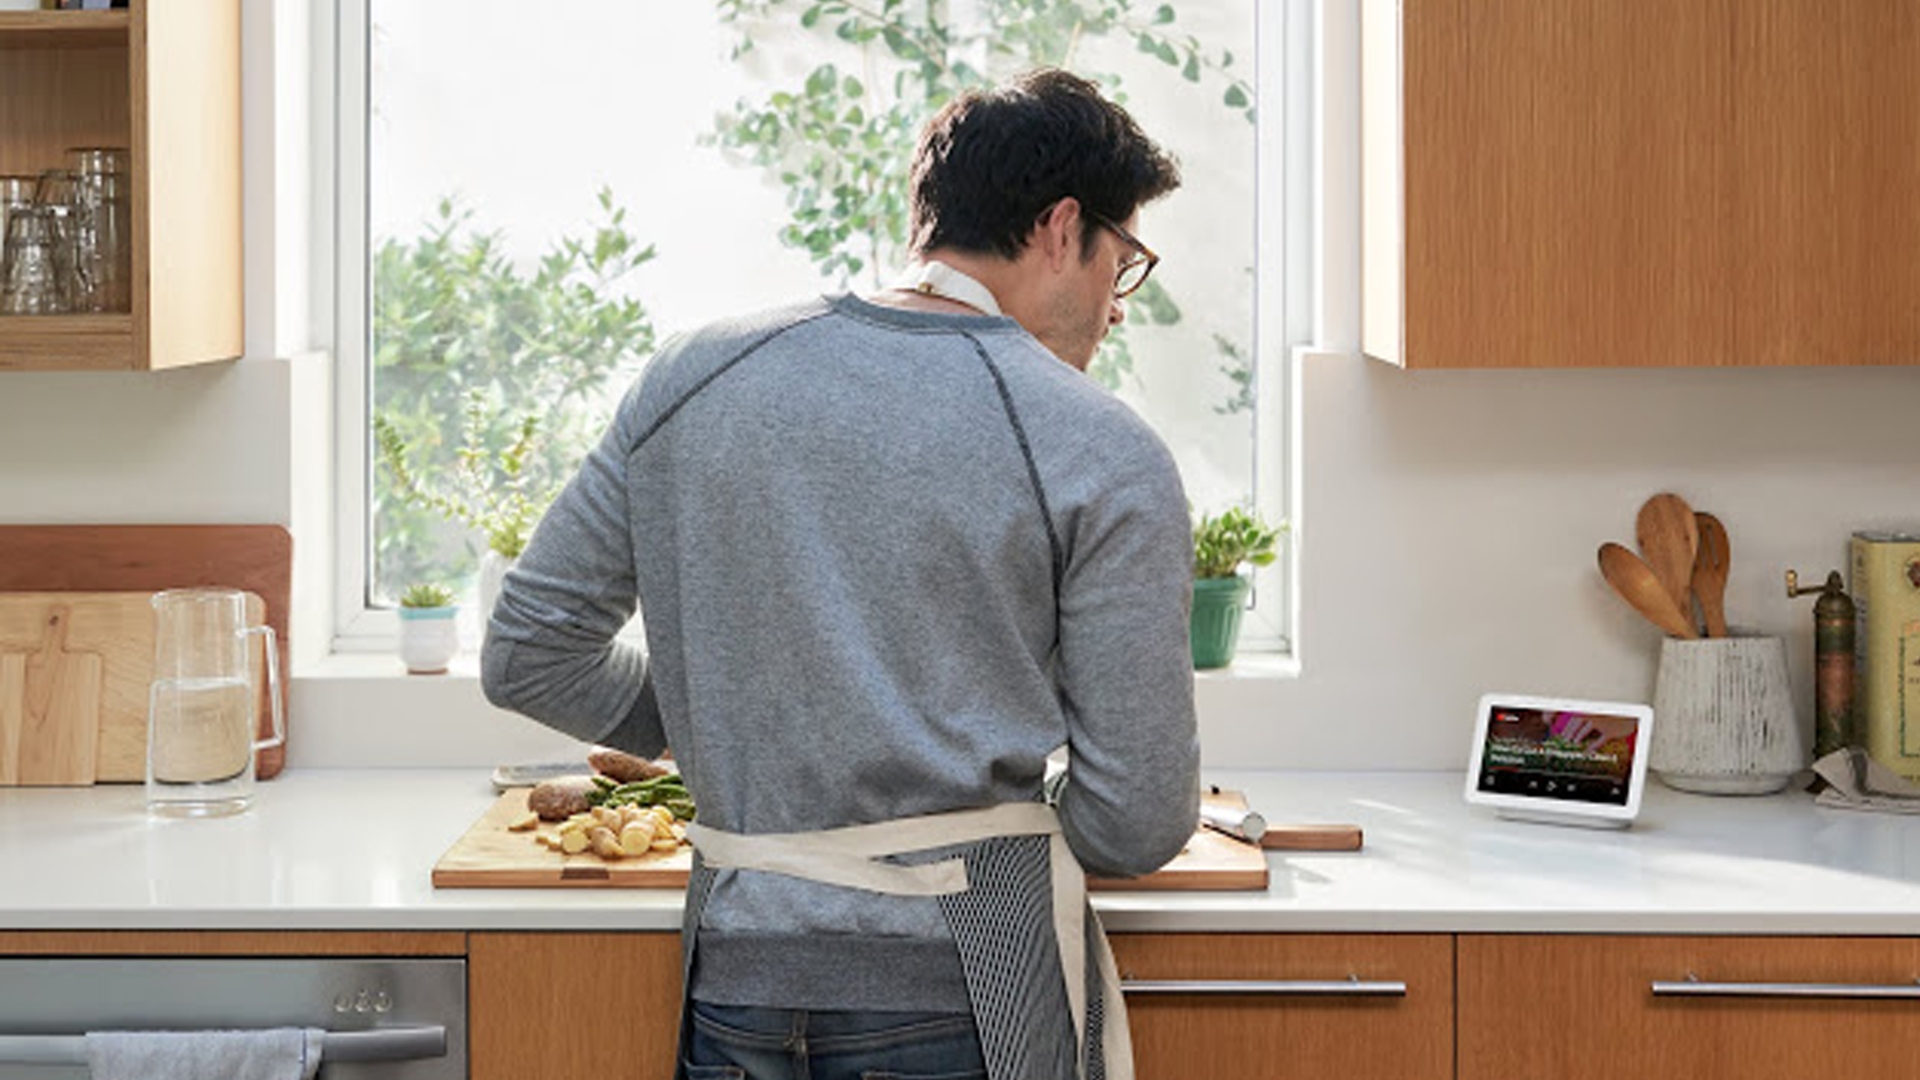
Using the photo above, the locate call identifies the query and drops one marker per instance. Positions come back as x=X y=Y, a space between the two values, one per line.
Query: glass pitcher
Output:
x=200 y=711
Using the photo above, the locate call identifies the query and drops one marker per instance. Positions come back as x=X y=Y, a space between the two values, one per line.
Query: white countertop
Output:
x=353 y=849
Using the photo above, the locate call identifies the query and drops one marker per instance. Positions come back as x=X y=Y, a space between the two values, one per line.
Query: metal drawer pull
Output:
x=1348 y=987
x=1691 y=986
x=383 y=1044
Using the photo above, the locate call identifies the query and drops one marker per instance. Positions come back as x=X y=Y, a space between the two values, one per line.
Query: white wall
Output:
x=1447 y=536
x=1451 y=521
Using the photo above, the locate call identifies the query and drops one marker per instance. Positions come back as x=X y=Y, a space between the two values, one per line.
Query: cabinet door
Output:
x=1271 y=1005
x=573 y=1006
x=1646 y=183
x=162 y=80
x=1593 y=1007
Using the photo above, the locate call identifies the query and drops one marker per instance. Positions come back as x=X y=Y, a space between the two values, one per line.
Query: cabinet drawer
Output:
x=1580 y=1007
x=1350 y=1006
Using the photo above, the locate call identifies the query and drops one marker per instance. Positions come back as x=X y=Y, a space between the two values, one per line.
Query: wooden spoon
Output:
x=1634 y=580
x=1710 y=573
x=1668 y=537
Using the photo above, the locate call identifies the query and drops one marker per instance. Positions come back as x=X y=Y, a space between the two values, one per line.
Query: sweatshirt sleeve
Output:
x=551 y=651
x=1125 y=674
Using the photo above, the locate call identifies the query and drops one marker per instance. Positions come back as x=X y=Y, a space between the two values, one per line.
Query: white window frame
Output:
x=1283 y=319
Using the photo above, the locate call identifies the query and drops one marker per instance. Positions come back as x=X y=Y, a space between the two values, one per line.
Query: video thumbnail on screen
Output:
x=1583 y=757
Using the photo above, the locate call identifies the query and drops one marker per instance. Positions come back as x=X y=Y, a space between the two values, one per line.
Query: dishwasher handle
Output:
x=379 y=1044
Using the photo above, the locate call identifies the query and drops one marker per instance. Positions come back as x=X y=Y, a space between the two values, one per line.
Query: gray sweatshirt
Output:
x=887 y=561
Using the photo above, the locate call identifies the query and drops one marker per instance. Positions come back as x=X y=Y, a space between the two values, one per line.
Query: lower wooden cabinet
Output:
x=1279 y=1005
x=565 y=1006
x=1587 y=1007
x=1350 y=1006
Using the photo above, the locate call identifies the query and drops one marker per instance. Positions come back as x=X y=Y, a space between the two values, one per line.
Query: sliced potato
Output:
x=604 y=843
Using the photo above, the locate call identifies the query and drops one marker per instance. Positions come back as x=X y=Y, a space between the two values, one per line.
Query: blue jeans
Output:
x=731 y=1042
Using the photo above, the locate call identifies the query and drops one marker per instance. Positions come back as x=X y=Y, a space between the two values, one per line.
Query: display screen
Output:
x=1554 y=754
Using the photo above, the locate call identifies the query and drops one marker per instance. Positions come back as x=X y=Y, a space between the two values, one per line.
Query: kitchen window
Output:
x=532 y=197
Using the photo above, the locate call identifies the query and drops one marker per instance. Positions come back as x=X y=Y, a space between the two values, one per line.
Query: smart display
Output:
x=1559 y=760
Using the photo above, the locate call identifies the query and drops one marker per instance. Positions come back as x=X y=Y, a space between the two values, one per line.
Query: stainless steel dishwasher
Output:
x=386 y=1018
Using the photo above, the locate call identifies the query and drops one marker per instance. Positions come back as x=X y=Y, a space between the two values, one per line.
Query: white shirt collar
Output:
x=935 y=278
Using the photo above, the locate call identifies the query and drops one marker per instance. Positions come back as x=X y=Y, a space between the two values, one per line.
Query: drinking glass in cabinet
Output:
x=102 y=243
x=32 y=280
x=95 y=160
x=15 y=192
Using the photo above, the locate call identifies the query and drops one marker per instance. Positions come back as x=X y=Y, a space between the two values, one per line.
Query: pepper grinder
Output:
x=1833 y=660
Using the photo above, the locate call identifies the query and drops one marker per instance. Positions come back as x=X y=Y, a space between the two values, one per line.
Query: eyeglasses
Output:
x=1134 y=270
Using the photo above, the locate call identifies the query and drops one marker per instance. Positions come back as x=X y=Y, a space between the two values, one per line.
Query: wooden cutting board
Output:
x=82 y=711
x=488 y=856
x=49 y=705
x=148 y=558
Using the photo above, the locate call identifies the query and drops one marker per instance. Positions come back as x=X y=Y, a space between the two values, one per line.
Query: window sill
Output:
x=363 y=710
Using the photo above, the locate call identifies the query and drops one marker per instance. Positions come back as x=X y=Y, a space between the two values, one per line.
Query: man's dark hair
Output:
x=992 y=161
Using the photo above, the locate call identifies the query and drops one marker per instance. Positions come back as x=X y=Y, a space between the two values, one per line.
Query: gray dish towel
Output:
x=271 y=1054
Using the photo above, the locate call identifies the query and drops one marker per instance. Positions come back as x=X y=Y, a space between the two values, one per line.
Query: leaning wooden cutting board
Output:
x=489 y=856
x=79 y=713
x=49 y=704
x=148 y=558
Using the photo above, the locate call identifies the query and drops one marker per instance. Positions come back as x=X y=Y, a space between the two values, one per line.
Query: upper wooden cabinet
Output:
x=161 y=78
x=1562 y=183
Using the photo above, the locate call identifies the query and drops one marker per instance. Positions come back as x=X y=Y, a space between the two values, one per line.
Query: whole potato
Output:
x=624 y=767
x=560 y=798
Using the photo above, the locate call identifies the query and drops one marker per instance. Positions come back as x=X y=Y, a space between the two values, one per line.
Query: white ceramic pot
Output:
x=1723 y=718
x=429 y=638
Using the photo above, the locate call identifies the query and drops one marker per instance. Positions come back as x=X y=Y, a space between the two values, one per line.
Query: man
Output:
x=891 y=552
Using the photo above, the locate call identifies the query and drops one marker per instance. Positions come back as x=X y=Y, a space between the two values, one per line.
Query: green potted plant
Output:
x=429 y=635
x=1223 y=546
x=492 y=489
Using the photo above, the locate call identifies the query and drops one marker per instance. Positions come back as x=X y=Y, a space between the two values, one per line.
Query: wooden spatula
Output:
x=1635 y=582
x=60 y=717
x=1710 y=565
x=1667 y=533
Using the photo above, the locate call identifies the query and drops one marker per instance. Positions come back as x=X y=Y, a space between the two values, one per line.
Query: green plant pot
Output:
x=1215 y=629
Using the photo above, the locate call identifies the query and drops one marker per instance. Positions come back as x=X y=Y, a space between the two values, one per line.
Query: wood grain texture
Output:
x=1712 y=561
x=1824 y=219
x=1646 y=183
x=1640 y=587
x=1668 y=538
x=573 y=1006
x=71 y=29
x=60 y=711
x=1178 y=1037
x=118 y=627
x=63 y=84
x=188 y=284
x=1579 y=1007
x=13 y=713
x=114 y=558
x=487 y=855
x=66 y=343
x=230 y=943
x=162 y=79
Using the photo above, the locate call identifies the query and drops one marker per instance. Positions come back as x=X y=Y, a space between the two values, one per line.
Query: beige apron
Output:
x=851 y=857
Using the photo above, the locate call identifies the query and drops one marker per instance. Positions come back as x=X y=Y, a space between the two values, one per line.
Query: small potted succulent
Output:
x=1223 y=546
x=492 y=491
x=428 y=634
